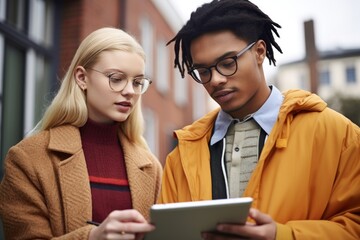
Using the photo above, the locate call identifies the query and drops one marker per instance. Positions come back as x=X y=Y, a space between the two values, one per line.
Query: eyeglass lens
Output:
x=118 y=82
x=226 y=67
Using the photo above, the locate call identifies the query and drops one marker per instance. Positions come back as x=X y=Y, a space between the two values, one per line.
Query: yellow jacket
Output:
x=307 y=177
x=45 y=192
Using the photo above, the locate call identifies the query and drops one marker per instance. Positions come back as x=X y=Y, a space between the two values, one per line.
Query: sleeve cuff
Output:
x=283 y=232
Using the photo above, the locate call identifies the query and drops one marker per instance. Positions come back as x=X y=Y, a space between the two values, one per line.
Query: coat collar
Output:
x=139 y=169
x=65 y=142
x=74 y=180
x=65 y=139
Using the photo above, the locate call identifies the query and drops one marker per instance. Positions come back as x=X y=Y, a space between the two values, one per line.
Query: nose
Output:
x=128 y=88
x=217 y=78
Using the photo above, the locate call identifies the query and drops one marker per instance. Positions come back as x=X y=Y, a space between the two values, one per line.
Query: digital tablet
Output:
x=186 y=220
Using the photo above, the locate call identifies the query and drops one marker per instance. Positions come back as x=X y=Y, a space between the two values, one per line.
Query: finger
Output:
x=127 y=216
x=265 y=227
x=137 y=227
x=132 y=227
x=121 y=235
x=242 y=231
x=219 y=236
x=260 y=218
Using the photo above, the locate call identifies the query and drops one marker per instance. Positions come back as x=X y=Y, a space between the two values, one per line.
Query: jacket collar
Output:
x=265 y=116
x=199 y=128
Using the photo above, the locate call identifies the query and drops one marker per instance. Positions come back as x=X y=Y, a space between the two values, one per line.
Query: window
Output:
x=324 y=77
x=147 y=36
x=37 y=88
x=41 y=21
x=350 y=74
x=151 y=130
x=162 y=67
x=27 y=63
x=12 y=97
x=16 y=14
x=200 y=106
x=180 y=89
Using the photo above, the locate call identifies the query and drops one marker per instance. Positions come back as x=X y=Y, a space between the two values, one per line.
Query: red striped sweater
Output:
x=106 y=167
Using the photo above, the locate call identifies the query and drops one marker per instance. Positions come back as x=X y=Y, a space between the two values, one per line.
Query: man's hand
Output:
x=264 y=228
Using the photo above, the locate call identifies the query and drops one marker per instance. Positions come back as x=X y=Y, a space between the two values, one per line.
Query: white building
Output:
x=338 y=73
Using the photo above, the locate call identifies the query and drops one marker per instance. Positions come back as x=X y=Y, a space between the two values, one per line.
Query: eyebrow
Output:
x=225 y=55
x=112 y=70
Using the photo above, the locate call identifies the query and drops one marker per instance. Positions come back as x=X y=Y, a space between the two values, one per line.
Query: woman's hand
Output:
x=264 y=228
x=125 y=224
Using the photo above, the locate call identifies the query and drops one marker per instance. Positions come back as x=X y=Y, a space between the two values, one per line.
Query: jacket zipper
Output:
x=223 y=168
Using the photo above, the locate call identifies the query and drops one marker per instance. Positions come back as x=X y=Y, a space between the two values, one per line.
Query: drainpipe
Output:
x=311 y=57
x=122 y=14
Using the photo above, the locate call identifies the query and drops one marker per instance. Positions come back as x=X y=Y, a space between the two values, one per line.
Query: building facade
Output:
x=334 y=76
x=338 y=73
x=328 y=73
x=38 y=39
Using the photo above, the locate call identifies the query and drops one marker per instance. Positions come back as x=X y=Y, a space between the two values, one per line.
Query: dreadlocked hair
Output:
x=241 y=17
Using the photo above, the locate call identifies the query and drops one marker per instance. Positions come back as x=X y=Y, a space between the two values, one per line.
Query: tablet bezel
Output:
x=186 y=220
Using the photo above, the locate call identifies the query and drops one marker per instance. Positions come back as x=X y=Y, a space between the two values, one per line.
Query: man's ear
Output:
x=260 y=48
x=80 y=77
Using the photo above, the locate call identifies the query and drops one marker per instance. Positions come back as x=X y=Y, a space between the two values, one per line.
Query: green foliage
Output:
x=348 y=106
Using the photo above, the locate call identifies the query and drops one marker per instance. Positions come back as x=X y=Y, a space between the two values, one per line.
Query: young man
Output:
x=297 y=159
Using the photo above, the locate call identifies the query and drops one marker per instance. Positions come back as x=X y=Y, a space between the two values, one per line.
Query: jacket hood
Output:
x=300 y=100
x=295 y=101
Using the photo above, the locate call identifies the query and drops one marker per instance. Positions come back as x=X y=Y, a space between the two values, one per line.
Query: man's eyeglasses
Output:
x=119 y=80
x=226 y=67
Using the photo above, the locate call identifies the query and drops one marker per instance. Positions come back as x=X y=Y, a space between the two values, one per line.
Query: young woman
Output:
x=86 y=163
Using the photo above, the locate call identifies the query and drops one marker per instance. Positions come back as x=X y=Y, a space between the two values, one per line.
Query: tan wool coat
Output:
x=45 y=192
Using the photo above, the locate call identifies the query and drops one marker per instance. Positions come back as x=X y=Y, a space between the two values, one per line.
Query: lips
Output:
x=221 y=93
x=123 y=107
x=222 y=96
x=124 y=104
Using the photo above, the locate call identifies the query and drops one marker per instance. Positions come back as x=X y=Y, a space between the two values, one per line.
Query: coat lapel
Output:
x=140 y=176
x=74 y=181
x=73 y=176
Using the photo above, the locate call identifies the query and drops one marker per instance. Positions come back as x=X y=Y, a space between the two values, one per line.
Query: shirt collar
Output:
x=266 y=116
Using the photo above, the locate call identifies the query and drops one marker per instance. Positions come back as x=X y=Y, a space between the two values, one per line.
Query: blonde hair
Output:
x=69 y=104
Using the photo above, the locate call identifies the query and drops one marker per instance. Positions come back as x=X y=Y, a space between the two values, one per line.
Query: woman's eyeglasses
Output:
x=119 y=80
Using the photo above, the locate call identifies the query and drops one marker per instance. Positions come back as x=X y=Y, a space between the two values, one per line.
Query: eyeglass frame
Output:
x=108 y=75
x=235 y=58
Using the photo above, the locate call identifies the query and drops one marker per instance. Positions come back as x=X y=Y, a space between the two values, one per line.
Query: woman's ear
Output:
x=260 y=47
x=80 y=77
